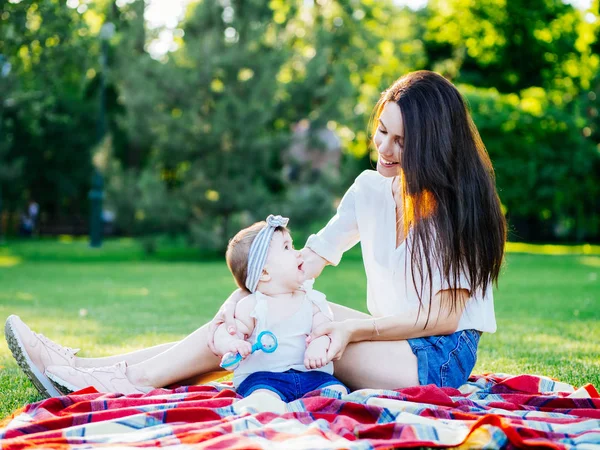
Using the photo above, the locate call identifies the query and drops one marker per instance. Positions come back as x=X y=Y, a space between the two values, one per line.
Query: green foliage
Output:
x=142 y=202
x=219 y=113
x=538 y=152
x=10 y=166
x=47 y=107
x=529 y=70
x=509 y=45
x=199 y=139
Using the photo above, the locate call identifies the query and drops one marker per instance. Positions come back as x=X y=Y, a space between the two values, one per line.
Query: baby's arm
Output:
x=225 y=342
x=316 y=352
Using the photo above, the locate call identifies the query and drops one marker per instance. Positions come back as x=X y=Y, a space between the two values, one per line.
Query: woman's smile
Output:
x=386 y=162
x=389 y=139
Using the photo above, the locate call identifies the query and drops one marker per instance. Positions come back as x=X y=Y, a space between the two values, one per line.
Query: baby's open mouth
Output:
x=300 y=266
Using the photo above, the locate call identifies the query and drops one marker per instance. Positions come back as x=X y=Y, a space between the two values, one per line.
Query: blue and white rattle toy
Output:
x=266 y=341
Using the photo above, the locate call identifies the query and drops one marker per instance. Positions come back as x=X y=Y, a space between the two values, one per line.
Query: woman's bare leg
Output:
x=131 y=358
x=187 y=362
x=188 y=358
x=162 y=365
x=375 y=364
x=395 y=363
x=137 y=357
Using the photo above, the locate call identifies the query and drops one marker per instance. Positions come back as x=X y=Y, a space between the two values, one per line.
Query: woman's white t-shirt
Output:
x=367 y=213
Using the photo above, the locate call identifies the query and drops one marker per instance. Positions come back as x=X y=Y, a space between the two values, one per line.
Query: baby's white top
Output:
x=291 y=336
x=367 y=213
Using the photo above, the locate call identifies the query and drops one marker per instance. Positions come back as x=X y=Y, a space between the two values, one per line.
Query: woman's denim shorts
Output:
x=446 y=361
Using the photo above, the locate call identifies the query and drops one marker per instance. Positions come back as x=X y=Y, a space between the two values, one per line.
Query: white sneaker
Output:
x=34 y=352
x=104 y=379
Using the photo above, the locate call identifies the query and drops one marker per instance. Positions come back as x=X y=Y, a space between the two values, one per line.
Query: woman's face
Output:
x=389 y=140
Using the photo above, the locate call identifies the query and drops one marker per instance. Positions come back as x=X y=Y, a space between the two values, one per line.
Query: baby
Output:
x=263 y=260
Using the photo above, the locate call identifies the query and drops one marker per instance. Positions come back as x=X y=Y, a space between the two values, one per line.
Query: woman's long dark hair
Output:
x=447 y=183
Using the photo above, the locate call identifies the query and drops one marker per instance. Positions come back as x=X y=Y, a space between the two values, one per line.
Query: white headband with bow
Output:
x=257 y=256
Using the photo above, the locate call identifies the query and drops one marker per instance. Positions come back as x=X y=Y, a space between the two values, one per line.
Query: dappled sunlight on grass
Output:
x=577 y=372
x=168 y=294
x=10 y=261
x=67 y=238
x=67 y=326
x=16 y=296
x=24 y=296
x=591 y=261
x=129 y=292
x=552 y=249
x=76 y=249
x=559 y=344
x=573 y=371
x=564 y=349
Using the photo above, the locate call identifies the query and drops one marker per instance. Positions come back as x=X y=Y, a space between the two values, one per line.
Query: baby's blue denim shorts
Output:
x=446 y=361
x=290 y=385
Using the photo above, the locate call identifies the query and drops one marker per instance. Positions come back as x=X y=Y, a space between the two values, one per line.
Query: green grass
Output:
x=115 y=299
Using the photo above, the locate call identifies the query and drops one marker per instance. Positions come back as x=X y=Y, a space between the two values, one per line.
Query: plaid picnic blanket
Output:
x=490 y=411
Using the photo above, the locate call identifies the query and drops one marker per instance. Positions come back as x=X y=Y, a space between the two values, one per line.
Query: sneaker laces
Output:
x=121 y=368
x=69 y=352
x=118 y=367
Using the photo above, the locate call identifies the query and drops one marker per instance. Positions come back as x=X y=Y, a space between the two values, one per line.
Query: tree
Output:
x=528 y=69
x=219 y=113
x=48 y=115
x=10 y=166
x=509 y=45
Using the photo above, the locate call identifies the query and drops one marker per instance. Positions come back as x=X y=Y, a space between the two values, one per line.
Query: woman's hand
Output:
x=339 y=333
x=225 y=315
x=313 y=264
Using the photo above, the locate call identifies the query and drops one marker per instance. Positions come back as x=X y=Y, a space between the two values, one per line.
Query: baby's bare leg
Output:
x=339 y=388
x=265 y=391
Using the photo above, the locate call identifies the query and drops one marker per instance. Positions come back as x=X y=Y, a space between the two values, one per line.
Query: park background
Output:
x=197 y=118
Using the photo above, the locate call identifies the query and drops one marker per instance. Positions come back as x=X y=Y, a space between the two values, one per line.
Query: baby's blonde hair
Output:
x=239 y=248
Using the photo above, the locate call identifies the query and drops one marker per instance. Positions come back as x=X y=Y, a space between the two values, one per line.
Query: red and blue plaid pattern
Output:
x=490 y=411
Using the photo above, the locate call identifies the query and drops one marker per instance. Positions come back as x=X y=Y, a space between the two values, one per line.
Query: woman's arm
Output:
x=394 y=328
x=398 y=327
x=224 y=341
x=225 y=316
x=313 y=264
x=341 y=232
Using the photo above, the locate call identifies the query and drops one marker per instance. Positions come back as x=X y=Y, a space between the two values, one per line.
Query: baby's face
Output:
x=284 y=263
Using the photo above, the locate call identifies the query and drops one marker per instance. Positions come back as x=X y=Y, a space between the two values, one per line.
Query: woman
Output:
x=432 y=236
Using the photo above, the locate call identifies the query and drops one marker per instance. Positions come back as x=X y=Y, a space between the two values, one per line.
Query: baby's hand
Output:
x=315 y=357
x=240 y=346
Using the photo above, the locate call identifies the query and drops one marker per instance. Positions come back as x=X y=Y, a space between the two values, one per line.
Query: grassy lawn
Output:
x=116 y=300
